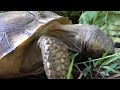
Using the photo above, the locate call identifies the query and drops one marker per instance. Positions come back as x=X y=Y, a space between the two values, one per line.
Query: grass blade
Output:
x=100 y=61
x=71 y=66
x=110 y=68
x=106 y=53
x=111 y=60
x=87 y=70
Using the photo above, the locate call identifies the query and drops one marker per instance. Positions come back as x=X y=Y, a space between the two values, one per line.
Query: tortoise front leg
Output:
x=55 y=57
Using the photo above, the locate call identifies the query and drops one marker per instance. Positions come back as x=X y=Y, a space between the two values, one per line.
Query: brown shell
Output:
x=17 y=26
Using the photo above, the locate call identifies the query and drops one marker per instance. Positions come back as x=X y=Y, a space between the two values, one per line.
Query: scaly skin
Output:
x=55 y=57
x=88 y=40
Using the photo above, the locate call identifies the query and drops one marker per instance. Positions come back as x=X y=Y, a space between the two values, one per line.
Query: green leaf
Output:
x=87 y=17
x=117 y=12
x=118 y=67
x=115 y=33
x=116 y=39
x=114 y=27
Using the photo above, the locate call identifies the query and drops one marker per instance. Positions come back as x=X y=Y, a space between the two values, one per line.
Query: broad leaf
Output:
x=108 y=21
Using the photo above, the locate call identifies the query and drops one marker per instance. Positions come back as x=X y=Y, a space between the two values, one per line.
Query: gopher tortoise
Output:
x=36 y=41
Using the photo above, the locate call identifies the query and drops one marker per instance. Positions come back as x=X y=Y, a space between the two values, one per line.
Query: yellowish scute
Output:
x=11 y=63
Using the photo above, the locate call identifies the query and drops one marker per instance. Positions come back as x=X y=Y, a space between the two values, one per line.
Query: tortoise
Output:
x=36 y=41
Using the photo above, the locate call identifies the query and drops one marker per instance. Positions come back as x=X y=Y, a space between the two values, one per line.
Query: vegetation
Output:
x=108 y=66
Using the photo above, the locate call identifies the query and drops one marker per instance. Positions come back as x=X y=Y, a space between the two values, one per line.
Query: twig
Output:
x=80 y=76
x=77 y=68
x=114 y=76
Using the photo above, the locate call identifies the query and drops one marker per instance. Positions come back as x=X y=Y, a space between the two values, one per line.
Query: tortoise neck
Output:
x=69 y=27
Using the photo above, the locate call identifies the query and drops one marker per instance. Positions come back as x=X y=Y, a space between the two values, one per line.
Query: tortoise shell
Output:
x=17 y=26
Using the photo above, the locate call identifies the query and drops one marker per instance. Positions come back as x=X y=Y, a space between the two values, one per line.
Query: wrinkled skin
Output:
x=84 y=38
